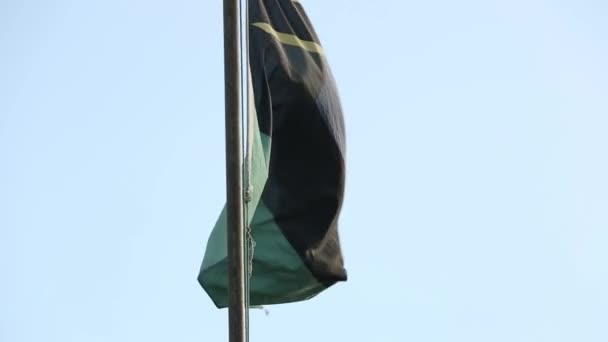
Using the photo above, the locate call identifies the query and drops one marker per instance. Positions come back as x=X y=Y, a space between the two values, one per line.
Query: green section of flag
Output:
x=278 y=274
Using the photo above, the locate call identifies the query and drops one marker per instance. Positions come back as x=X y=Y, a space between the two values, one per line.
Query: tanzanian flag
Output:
x=295 y=165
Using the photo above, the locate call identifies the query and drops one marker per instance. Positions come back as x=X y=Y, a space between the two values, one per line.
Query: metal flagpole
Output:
x=234 y=173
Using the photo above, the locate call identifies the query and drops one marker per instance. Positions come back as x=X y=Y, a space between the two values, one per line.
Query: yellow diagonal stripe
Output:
x=290 y=39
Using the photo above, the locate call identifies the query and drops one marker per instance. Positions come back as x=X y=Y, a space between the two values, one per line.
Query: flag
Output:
x=294 y=168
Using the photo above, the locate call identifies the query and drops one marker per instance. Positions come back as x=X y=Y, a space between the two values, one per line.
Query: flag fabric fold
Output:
x=294 y=168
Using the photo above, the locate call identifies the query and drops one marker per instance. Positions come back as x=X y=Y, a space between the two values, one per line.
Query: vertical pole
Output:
x=234 y=174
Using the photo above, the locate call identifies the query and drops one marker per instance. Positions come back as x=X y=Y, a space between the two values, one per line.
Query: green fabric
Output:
x=279 y=275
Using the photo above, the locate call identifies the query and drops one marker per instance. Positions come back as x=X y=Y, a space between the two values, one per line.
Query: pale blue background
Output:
x=477 y=199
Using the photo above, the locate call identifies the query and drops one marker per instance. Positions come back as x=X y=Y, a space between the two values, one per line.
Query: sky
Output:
x=476 y=206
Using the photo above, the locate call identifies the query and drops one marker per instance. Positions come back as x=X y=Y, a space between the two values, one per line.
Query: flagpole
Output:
x=234 y=174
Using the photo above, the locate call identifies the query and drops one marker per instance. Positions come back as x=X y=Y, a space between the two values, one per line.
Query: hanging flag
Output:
x=295 y=165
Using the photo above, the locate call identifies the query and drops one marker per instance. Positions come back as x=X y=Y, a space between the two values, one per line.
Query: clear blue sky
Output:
x=477 y=196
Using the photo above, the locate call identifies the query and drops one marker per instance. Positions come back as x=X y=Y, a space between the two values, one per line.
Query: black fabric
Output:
x=298 y=106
